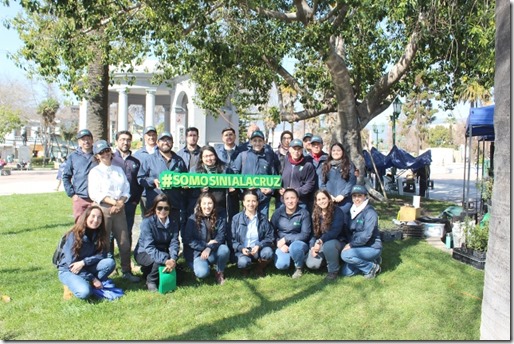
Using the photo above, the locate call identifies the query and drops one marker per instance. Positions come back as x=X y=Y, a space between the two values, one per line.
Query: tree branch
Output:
x=106 y=21
x=306 y=114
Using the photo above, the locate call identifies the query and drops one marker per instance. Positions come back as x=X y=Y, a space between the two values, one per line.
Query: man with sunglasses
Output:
x=151 y=168
x=76 y=171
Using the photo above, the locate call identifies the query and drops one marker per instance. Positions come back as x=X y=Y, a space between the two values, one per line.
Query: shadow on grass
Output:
x=33 y=229
x=391 y=253
x=213 y=331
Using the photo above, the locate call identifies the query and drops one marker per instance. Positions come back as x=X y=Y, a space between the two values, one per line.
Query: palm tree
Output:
x=474 y=93
x=47 y=110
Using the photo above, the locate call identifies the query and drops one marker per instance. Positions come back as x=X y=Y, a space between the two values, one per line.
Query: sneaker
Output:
x=129 y=276
x=373 y=272
x=151 y=286
x=331 y=276
x=298 y=273
x=220 y=278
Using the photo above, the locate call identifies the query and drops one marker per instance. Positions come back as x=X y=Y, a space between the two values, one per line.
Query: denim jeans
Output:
x=359 y=259
x=82 y=288
x=219 y=257
x=243 y=262
x=330 y=252
x=297 y=251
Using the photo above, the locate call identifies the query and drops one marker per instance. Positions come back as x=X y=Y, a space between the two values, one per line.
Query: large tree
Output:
x=496 y=304
x=352 y=57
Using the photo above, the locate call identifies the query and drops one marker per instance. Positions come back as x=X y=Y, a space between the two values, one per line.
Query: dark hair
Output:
x=322 y=224
x=192 y=129
x=123 y=132
x=157 y=199
x=292 y=190
x=199 y=213
x=286 y=132
x=345 y=164
x=200 y=168
x=79 y=230
x=228 y=129
x=252 y=192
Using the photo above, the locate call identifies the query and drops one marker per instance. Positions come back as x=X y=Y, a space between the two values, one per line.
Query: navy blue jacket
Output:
x=190 y=159
x=318 y=165
x=195 y=240
x=141 y=154
x=87 y=253
x=76 y=170
x=240 y=228
x=364 y=229
x=158 y=241
x=130 y=166
x=336 y=185
x=335 y=231
x=227 y=157
x=151 y=168
x=297 y=226
x=301 y=177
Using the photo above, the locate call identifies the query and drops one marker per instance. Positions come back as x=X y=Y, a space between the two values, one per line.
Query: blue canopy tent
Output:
x=480 y=123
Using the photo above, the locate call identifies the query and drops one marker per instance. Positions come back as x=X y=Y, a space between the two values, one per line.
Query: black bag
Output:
x=58 y=251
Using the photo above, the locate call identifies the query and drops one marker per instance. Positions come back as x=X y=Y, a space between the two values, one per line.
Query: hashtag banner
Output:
x=169 y=179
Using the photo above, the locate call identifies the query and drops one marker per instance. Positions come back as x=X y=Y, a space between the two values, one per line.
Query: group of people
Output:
x=321 y=215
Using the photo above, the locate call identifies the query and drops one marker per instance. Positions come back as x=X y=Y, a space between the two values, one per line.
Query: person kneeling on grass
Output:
x=252 y=235
x=362 y=253
x=158 y=242
x=325 y=244
x=293 y=227
x=84 y=264
x=203 y=236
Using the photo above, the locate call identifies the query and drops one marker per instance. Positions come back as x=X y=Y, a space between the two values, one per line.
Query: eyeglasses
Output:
x=159 y=208
x=107 y=150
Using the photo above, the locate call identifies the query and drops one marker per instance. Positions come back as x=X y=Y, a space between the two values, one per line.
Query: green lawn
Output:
x=421 y=294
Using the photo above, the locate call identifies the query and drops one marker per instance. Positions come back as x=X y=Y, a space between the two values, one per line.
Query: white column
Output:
x=167 y=117
x=122 y=109
x=83 y=114
x=149 y=106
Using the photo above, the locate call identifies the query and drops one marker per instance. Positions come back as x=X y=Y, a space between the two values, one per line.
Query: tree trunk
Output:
x=98 y=109
x=495 y=324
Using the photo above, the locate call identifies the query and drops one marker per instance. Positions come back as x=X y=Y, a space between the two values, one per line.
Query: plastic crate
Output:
x=468 y=258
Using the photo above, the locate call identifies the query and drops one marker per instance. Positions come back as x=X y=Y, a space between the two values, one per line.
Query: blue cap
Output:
x=359 y=189
x=84 y=132
x=165 y=134
x=150 y=128
x=296 y=143
x=307 y=135
x=317 y=139
x=257 y=133
x=99 y=146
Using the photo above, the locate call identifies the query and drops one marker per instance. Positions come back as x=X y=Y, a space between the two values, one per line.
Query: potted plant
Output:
x=474 y=250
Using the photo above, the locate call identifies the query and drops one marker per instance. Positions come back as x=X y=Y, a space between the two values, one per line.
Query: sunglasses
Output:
x=159 y=208
x=107 y=150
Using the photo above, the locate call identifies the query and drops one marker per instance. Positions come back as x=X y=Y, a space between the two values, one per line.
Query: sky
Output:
x=10 y=43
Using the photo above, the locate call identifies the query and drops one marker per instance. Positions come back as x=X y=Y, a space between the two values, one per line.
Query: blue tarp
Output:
x=481 y=123
x=398 y=158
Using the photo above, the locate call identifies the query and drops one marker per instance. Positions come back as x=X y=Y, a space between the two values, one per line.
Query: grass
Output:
x=421 y=294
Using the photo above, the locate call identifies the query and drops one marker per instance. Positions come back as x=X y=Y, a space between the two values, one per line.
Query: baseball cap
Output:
x=165 y=134
x=359 y=189
x=150 y=128
x=317 y=139
x=257 y=133
x=99 y=146
x=307 y=135
x=296 y=143
x=83 y=132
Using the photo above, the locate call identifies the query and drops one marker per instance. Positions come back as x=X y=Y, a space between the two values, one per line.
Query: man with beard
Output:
x=76 y=170
x=123 y=158
x=148 y=177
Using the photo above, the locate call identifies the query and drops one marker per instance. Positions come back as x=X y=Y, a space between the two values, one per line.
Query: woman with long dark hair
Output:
x=84 y=264
x=326 y=244
x=204 y=238
x=338 y=178
x=158 y=243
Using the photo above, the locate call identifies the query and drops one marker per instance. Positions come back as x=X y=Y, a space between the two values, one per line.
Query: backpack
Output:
x=58 y=251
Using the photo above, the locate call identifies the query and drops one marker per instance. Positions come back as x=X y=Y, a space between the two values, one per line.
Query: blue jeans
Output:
x=359 y=259
x=79 y=286
x=330 y=252
x=243 y=262
x=297 y=250
x=219 y=257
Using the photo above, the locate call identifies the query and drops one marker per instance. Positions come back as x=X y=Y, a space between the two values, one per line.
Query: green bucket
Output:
x=167 y=280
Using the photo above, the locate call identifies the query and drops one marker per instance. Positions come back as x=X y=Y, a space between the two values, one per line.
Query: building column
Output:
x=150 y=106
x=83 y=114
x=122 y=109
x=167 y=117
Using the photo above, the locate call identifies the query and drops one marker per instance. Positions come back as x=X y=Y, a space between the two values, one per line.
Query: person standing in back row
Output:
x=191 y=155
x=150 y=148
x=76 y=171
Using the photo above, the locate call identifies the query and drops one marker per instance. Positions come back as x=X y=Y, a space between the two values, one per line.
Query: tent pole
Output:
x=464 y=178
x=469 y=170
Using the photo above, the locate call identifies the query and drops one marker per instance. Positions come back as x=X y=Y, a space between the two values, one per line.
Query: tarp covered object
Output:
x=480 y=122
x=398 y=158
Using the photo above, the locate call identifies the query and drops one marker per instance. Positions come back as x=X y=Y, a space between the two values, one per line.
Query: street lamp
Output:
x=397 y=109
x=377 y=130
